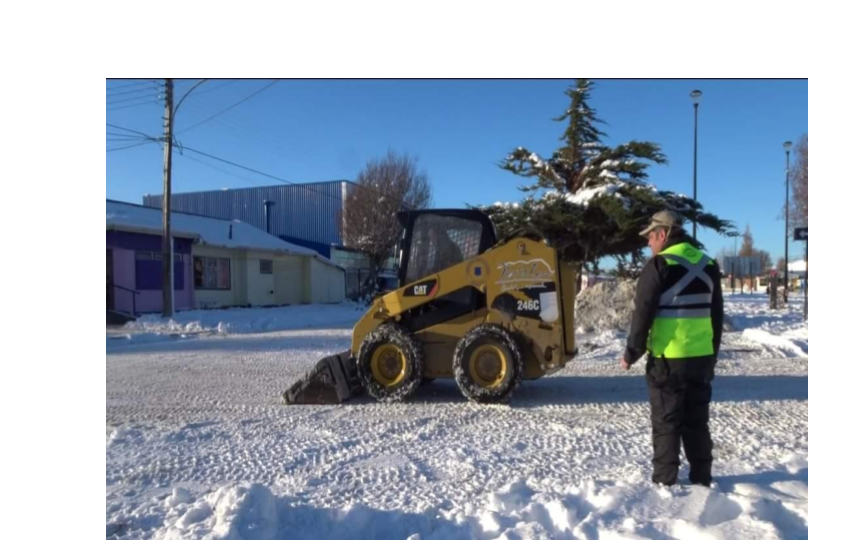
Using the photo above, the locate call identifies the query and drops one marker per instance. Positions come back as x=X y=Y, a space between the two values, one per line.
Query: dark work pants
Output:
x=679 y=395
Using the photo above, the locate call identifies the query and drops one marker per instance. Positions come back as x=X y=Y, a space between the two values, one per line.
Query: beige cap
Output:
x=665 y=218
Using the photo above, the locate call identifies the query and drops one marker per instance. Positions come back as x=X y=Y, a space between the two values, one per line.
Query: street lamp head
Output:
x=696 y=95
x=787 y=145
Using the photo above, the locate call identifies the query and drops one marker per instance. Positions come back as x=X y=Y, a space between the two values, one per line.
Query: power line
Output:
x=246 y=132
x=255 y=171
x=151 y=93
x=232 y=122
x=131 y=131
x=124 y=135
x=136 y=91
x=241 y=101
x=132 y=105
x=214 y=88
x=129 y=146
x=225 y=171
x=270 y=139
x=143 y=81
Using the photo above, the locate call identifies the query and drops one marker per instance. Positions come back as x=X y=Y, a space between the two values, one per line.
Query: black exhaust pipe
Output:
x=267 y=214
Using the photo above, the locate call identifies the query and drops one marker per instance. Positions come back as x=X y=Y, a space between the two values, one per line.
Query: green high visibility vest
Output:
x=682 y=325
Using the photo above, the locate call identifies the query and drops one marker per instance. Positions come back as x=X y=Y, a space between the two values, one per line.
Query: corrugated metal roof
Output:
x=309 y=212
x=207 y=230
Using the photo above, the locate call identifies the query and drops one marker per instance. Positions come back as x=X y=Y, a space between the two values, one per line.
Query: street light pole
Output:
x=696 y=95
x=787 y=146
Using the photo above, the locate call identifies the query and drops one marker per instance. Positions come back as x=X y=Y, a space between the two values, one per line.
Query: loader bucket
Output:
x=333 y=380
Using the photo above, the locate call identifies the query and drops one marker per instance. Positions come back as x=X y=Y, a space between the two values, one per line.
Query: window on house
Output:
x=266 y=266
x=149 y=271
x=212 y=273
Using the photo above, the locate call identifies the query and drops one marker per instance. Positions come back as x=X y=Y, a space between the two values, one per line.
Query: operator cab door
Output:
x=438 y=239
x=433 y=241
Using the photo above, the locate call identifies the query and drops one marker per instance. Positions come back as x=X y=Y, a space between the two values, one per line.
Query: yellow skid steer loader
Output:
x=488 y=313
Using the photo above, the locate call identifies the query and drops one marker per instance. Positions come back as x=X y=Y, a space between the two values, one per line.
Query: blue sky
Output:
x=306 y=131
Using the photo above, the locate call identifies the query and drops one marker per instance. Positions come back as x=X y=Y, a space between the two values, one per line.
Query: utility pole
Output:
x=167 y=244
x=167 y=265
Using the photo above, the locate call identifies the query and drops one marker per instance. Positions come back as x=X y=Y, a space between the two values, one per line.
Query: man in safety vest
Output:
x=678 y=321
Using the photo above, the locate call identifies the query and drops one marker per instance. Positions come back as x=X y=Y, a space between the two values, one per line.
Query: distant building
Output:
x=217 y=263
x=797 y=267
x=308 y=215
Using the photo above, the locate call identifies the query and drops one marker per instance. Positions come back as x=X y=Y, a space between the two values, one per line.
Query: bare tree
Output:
x=721 y=255
x=780 y=264
x=384 y=187
x=800 y=183
x=748 y=249
x=747 y=244
x=766 y=260
x=798 y=214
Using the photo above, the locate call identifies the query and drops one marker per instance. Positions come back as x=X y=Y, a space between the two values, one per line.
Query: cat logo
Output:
x=426 y=288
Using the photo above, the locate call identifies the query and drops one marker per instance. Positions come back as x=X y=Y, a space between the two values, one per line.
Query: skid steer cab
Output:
x=488 y=313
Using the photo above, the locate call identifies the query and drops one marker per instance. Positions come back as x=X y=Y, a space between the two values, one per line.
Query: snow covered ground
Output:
x=197 y=323
x=199 y=444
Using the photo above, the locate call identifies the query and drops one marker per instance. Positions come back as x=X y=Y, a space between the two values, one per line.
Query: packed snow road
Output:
x=199 y=445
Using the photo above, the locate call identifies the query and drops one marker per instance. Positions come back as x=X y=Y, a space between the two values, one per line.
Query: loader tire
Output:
x=390 y=363
x=488 y=364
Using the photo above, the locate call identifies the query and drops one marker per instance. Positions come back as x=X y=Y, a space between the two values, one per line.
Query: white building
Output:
x=797 y=267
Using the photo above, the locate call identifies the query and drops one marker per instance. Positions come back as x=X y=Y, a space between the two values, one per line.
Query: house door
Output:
x=110 y=290
x=288 y=281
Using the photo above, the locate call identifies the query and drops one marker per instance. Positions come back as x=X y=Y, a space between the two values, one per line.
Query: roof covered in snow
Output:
x=204 y=230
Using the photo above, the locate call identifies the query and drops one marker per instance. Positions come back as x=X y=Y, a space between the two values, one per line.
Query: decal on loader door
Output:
x=424 y=288
x=538 y=302
x=514 y=275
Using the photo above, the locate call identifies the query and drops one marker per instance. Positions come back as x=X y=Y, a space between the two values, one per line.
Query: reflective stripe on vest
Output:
x=672 y=298
x=679 y=330
x=684 y=313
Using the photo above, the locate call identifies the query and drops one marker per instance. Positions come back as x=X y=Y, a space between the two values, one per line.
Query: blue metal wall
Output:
x=308 y=212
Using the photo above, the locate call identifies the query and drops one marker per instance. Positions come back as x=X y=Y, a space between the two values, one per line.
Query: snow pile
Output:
x=783 y=332
x=787 y=342
x=606 y=305
x=124 y=435
x=239 y=513
x=773 y=505
x=243 y=321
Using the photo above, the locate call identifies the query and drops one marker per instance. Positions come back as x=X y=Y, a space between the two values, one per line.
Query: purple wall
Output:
x=124 y=274
x=124 y=246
